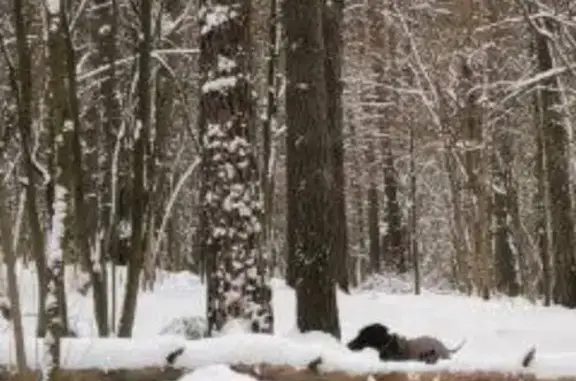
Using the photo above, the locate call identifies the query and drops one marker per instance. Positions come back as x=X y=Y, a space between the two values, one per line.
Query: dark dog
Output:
x=395 y=347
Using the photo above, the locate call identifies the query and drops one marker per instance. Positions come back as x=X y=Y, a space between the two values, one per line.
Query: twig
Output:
x=529 y=357
x=173 y=356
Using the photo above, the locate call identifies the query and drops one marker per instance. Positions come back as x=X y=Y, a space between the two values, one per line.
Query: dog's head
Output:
x=375 y=336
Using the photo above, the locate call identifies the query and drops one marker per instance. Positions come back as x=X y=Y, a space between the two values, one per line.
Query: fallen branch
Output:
x=314 y=364
x=529 y=357
x=173 y=356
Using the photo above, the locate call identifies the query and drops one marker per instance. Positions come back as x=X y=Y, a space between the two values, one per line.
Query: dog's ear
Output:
x=378 y=327
x=381 y=332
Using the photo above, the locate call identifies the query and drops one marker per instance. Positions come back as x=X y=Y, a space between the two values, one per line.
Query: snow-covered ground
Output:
x=498 y=332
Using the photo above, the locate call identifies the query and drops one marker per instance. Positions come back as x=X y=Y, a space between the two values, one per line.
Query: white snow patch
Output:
x=214 y=16
x=499 y=332
x=220 y=84
x=57 y=230
x=53 y=6
x=215 y=372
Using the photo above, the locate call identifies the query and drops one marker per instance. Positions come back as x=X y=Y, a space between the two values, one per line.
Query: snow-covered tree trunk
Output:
x=54 y=319
x=238 y=285
x=62 y=128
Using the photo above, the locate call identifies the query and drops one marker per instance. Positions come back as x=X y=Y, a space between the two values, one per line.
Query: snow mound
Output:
x=189 y=327
x=402 y=284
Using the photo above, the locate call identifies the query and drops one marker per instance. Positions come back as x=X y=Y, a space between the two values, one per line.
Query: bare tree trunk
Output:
x=541 y=203
x=357 y=237
x=308 y=169
x=461 y=261
x=6 y=240
x=140 y=195
x=393 y=246
x=557 y=159
x=58 y=240
x=504 y=198
x=374 y=248
x=414 y=254
x=61 y=128
x=104 y=35
x=332 y=32
x=476 y=179
x=270 y=122
x=24 y=91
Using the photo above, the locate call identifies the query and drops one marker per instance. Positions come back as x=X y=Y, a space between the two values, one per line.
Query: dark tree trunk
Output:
x=557 y=159
x=374 y=249
x=140 y=194
x=504 y=198
x=60 y=123
x=267 y=171
x=104 y=31
x=238 y=284
x=394 y=249
x=541 y=204
x=332 y=31
x=15 y=311
x=309 y=178
x=24 y=91
x=61 y=126
x=357 y=262
x=472 y=131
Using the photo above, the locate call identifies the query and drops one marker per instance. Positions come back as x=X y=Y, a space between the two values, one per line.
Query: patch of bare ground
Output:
x=145 y=374
x=279 y=373
x=288 y=373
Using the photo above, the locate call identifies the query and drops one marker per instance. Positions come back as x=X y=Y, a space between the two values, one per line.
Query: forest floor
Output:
x=498 y=332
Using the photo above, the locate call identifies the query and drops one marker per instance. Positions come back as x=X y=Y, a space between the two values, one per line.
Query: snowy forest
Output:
x=327 y=143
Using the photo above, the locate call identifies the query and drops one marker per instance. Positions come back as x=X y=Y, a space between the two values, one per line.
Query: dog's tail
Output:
x=529 y=357
x=458 y=347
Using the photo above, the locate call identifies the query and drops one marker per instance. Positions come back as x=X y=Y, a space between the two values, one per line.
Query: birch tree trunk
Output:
x=58 y=238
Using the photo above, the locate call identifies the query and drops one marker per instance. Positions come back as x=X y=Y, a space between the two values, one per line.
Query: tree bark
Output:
x=25 y=98
x=557 y=159
x=271 y=121
x=140 y=194
x=332 y=32
x=6 y=240
x=374 y=249
x=309 y=176
x=104 y=35
x=504 y=196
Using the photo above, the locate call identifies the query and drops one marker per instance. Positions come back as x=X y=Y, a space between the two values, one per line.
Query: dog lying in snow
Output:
x=392 y=346
x=427 y=349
